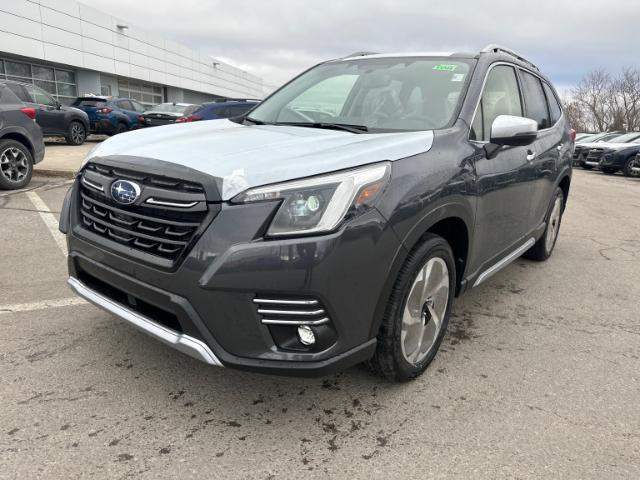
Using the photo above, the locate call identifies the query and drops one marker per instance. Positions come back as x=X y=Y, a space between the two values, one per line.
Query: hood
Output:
x=242 y=157
x=616 y=147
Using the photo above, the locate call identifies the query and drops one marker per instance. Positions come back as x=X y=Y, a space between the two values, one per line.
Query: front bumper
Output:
x=205 y=307
x=184 y=343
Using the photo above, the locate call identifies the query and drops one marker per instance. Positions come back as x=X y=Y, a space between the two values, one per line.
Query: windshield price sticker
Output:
x=444 y=67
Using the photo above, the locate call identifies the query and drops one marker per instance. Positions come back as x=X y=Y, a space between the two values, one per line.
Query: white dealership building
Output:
x=70 y=49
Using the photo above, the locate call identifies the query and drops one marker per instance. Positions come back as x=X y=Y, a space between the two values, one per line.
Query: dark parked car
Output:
x=336 y=223
x=21 y=144
x=583 y=146
x=165 y=114
x=110 y=115
x=616 y=156
x=219 y=109
x=54 y=119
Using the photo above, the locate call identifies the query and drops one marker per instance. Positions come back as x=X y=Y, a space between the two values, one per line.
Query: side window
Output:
x=535 y=100
x=124 y=104
x=20 y=92
x=41 y=97
x=239 y=110
x=501 y=96
x=554 y=107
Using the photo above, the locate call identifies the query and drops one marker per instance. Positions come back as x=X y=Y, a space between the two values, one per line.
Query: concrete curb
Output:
x=55 y=173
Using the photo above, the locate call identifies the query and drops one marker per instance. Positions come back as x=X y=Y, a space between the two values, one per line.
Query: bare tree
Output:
x=601 y=102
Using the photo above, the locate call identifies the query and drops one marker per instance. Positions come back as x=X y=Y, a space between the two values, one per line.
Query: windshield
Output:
x=626 y=138
x=170 y=108
x=381 y=94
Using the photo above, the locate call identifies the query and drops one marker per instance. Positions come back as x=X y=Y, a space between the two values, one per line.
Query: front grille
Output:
x=594 y=155
x=163 y=230
x=290 y=311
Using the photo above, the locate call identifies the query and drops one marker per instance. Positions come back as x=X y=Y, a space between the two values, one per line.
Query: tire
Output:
x=16 y=165
x=629 y=164
x=121 y=128
x=395 y=358
x=543 y=248
x=608 y=171
x=76 y=133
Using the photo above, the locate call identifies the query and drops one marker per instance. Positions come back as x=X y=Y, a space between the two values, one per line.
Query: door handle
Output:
x=531 y=155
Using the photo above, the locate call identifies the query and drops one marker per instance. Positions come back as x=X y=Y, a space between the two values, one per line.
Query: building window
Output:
x=146 y=93
x=61 y=84
x=105 y=90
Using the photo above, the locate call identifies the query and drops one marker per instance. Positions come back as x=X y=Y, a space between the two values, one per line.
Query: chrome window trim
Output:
x=484 y=82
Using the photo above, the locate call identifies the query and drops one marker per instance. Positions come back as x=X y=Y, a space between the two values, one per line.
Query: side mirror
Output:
x=513 y=131
x=58 y=105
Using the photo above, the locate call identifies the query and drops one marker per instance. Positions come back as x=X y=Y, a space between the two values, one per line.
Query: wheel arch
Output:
x=21 y=138
x=453 y=222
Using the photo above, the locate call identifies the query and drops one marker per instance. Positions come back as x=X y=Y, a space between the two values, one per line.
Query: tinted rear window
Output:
x=84 y=102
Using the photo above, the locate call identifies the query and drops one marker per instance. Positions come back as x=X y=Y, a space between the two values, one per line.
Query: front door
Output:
x=504 y=180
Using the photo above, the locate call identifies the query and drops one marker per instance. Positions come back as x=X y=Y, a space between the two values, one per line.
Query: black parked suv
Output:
x=21 y=145
x=336 y=222
x=55 y=119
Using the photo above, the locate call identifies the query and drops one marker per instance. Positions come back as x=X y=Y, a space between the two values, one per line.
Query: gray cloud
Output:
x=279 y=38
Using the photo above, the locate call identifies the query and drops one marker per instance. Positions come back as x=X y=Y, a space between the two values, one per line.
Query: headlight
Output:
x=319 y=204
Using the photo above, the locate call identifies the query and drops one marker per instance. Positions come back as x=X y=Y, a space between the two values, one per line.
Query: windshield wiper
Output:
x=253 y=120
x=332 y=126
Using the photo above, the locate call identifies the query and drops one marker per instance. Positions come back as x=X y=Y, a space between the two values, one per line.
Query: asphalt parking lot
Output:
x=538 y=376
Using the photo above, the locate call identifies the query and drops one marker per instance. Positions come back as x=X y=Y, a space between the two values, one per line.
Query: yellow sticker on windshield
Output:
x=444 y=67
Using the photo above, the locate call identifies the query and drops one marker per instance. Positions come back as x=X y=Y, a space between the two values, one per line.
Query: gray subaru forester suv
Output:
x=332 y=224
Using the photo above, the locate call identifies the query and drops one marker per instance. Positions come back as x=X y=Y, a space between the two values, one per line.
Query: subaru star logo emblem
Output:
x=125 y=192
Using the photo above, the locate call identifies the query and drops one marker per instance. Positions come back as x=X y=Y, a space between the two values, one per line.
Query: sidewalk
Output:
x=63 y=160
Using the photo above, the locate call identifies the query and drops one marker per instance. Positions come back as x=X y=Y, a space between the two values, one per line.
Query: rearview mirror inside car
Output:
x=513 y=131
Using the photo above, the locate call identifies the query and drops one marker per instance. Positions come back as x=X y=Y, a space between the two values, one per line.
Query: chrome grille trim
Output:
x=285 y=302
x=293 y=313
x=311 y=323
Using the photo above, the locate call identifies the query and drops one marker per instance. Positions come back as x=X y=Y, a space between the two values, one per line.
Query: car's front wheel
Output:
x=543 y=248
x=76 y=133
x=16 y=165
x=632 y=163
x=417 y=315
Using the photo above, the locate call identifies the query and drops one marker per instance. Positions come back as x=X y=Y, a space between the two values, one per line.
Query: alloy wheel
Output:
x=14 y=164
x=554 y=224
x=424 y=310
x=77 y=133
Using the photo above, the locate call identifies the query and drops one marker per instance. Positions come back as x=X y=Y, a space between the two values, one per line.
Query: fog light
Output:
x=306 y=335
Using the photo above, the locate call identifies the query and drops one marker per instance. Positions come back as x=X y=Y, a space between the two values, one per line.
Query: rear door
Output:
x=504 y=180
x=544 y=152
x=127 y=108
x=50 y=118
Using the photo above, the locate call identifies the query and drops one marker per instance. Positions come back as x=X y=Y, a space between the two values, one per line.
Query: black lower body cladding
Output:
x=333 y=283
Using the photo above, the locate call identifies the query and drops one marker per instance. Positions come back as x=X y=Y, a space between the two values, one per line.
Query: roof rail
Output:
x=360 y=54
x=492 y=47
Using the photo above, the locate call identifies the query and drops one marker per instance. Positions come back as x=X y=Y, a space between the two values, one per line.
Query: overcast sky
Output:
x=276 y=39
